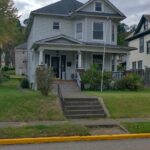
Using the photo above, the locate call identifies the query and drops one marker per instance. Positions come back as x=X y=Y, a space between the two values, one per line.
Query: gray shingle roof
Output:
x=63 y=7
x=136 y=34
x=22 y=46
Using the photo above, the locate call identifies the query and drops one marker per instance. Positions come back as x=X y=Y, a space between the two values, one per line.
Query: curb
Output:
x=72 y=139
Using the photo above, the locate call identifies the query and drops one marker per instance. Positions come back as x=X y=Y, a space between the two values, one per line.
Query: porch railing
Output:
x=118 y=75
x=60 y=97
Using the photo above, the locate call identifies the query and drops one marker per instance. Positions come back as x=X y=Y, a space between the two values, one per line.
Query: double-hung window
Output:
x=56 y=25
x=98 y=60
x=98 y=6
x=148 y=47
x=140 y=64
x=141 y=45
x=145 y=25
x=98 y=31
x=79 y=30
x=134 y=65
x=113 y=33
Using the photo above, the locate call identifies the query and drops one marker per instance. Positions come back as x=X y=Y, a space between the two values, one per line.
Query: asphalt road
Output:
x=140 y=144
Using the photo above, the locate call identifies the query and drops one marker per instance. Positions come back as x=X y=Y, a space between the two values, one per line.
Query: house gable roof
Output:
x=143 y=19
x=137 y=33
x=106 y=1
x=63 y=7
x=60 y=39
x=22 y=46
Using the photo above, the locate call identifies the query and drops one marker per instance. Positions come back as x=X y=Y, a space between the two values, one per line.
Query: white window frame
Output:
x=102 y=5
x=76 y=29
x=101 y=40
x=59 y=25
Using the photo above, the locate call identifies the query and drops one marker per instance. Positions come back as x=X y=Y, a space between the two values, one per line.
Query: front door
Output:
x=55 y=66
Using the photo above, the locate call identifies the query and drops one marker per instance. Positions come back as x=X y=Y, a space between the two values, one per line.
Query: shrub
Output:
x=44 y=79
x=5 y=68
x=93 y=77
x=24 y=84
x=130 y=82
x=3 y=77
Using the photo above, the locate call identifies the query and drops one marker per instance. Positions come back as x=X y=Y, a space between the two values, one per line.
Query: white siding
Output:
x=88 y=36
x=136 y=55
x=91 y=7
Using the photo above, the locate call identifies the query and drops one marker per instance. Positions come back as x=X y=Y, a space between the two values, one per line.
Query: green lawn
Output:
x=126 y=104
x=44 y=131
x=17 y=104
x=142 y=127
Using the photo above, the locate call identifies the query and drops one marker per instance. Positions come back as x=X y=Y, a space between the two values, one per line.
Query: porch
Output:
x=66 y=63
x=65 y=55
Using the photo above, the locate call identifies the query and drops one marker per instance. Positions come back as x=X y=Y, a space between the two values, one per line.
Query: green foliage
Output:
x=93 y=77
x=3 y=77
x=120 y=67
x=122 y=34
x=44 y=79
x=138 y=127
x=130 y=82
x=24 y=84
x=66 y=129
x=11 y=31
x=5 y=68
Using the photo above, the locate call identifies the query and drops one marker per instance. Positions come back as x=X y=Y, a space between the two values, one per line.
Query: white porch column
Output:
x=79 y=60
x=41 y=57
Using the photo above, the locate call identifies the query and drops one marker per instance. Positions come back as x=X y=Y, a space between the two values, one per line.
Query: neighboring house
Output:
x=21 y=59
x=140 y=58
x=69 y=35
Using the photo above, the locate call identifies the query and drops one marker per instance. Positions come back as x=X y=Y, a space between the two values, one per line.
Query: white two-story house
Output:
x=140 y=58
x=69 y=35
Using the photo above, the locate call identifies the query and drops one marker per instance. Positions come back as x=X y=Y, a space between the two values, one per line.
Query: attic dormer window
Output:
x=145 y=25
x=56 y=25
x=98 y=6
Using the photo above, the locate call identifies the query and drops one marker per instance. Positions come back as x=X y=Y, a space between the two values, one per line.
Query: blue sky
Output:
x=133 y=9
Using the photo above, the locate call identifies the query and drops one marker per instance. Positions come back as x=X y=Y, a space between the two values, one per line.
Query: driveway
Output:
x=137 y=144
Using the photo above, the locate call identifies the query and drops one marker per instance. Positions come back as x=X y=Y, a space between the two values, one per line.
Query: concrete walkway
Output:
x=85 y=122
x=69 y=89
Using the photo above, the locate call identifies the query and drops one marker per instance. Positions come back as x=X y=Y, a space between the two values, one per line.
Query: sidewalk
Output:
x=85 y=122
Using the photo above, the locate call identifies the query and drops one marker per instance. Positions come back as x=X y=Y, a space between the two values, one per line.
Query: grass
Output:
x=17 y=104
x=142 y=127
x=126 y=104
x=44 y=131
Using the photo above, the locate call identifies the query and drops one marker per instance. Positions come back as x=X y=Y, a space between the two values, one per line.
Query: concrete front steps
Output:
x=79 y=108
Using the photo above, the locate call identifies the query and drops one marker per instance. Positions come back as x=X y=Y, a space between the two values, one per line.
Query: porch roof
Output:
x=63 y=42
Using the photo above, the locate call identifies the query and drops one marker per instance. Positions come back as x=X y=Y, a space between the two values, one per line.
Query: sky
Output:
x=133 y=9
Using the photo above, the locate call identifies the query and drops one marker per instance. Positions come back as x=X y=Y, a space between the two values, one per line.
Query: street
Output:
x=136 y=144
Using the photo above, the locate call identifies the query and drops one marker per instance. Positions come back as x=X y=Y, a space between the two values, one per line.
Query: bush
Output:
x=130 y=82
x=5 y=68
x=44 y=79
x=93 y=77
x=3 y=77
x=25 y=84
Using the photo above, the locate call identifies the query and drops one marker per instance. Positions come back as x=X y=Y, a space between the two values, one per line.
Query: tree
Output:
x=11 y=31
x=122 y=33
x=8 y=17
